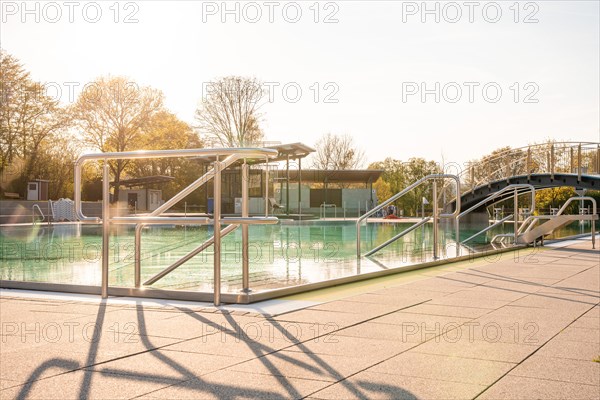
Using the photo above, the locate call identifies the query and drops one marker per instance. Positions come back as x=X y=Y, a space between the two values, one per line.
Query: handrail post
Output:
x=217 y=231
x=552 y=161
x=245 y=258
x=571 y=160
x=105 y=227
x=528 y=164
x=435 y=221
x=137 y=255
x=516 y=216
x=579 y=163
x=457 y=234
x=267 y=187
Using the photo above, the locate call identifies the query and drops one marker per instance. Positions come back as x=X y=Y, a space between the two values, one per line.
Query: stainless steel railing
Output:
x=532 y=220
x=515 y=195
x=231 y=155
x=436 y=215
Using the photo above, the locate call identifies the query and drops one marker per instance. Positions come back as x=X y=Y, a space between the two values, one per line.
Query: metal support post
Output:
x=516 y=214
x=435 y=221
x=217 y=231
x=105 y=227
x=245 y=206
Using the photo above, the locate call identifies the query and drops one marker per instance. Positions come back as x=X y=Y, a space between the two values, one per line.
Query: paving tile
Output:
x=369 y=385
x=489 y=304
x=321 y=317
x=86 y=384
x=399 y=301
x=29 y=365
x=236 y=345
x=486 y=292
x=580 y=335
x=573 y=303
x=559 y=369
x=567 y=349
x=458 y=346
x=517 y=388
x=240 y=385
x=448 y=311
x=305 y=365
x=166 y=364
x=593 y=313
x=366 y=348
x=365 y=309
x=586 y=322
x=455 y=369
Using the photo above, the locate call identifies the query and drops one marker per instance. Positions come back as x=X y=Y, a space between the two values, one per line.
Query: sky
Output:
x=447 y=81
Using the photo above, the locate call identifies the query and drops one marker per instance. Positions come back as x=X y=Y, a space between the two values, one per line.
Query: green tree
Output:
x=29 y=120
x=166 y=132
x=113 y=114
x=554 y=198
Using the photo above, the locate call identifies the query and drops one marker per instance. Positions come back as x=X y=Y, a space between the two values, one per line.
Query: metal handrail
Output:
x=236 y=153
x=33 y=208
x=581 y=198
x=398 y=236
x=323 y=212
x=487 y=229
x=501 y=191
x=515 y=188
x=402 y=193
x=232 y=155
x=530 y=222
x=526 y=159
x=206 y=244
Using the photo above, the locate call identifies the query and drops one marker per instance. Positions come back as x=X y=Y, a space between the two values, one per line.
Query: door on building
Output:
x=132 y=199
x=33 y=191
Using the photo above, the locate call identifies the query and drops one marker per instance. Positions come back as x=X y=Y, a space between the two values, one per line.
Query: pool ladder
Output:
x=436 y=214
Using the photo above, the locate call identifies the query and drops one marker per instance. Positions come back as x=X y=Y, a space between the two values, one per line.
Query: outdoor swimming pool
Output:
x=283 y=255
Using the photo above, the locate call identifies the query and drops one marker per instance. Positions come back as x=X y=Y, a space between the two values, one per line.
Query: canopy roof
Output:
x=331 y=176
x=147 y=180
x=293 y=150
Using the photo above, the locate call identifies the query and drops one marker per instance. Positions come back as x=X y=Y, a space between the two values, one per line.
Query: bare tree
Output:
x=229 y=115
x=113 y=114
x=336 y=152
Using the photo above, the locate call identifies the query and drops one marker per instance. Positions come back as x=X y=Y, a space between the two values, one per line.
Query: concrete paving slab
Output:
x=86 y=384
x=305 y=365
x=239 y=385
x=365 y=309
x=175 y=365
x=572 y=350
x=439 y=367
x=459 y=346
x=521 y=388
x=369 y=385
x=447 y=311
x=580 y=335
x=560 y=369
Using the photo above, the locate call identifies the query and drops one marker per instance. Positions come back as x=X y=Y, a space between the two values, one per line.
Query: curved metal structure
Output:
x=539 y=181
x=229 y=155
x=572 y=158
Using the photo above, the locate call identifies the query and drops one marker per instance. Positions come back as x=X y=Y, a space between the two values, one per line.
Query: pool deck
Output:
x=505 y=327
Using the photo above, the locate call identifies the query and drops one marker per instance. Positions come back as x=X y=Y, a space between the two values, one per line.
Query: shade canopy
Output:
x=331 y=176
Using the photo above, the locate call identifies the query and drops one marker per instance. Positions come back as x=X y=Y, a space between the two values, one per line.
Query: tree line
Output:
x=40 y=138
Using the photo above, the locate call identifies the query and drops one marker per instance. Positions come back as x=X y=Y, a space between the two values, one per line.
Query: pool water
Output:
x=287 y=254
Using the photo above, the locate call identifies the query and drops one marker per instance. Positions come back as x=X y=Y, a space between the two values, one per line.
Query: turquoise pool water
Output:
x=287 y=254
